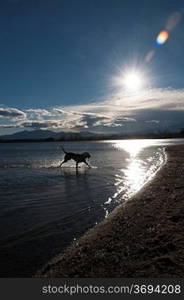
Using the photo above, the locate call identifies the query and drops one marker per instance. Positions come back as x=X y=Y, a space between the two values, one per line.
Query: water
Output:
x=43 y=208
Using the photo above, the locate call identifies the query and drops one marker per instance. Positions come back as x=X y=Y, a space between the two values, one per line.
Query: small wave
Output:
x=27 y=166
x=40 y=166
x=137 y=174
x=10 y=166
x=94 y=167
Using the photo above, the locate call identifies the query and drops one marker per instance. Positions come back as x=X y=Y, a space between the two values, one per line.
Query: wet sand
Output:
x=143 y=238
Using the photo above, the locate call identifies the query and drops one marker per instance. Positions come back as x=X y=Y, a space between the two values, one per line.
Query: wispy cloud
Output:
x=147 y=110
x=38 y=112
x=42 y=124
x=12 y=113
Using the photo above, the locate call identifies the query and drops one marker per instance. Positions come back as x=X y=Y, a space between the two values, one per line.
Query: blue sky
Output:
x=59 y=58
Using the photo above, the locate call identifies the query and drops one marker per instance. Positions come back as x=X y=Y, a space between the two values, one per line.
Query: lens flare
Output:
x=162 y=37
x=149 y=56
x=173 y=20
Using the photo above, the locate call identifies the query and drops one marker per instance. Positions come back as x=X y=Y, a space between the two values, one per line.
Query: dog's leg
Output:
x=66 y=158
x=62 y=163
x=87 y=164
x=76 y=165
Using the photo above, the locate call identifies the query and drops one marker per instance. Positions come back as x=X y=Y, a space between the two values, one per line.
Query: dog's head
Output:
x=86 y=155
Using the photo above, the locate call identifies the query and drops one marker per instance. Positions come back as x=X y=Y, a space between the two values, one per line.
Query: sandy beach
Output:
x=143 y=238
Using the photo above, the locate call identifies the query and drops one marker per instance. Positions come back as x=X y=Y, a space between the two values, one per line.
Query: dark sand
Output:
x=144 y=238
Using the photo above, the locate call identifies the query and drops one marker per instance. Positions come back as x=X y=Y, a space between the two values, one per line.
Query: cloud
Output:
x=61 y=111
x=148 y=110
x=39 y=112
x=153 y=121
x=35 y=124
x=12 y=113
x=91 y=120
x=8 y=126
x=41 y=124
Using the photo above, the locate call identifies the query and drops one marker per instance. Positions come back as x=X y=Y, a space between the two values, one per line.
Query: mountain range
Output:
x=46 y=134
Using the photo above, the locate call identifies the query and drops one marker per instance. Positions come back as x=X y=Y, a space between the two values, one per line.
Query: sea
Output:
x=44 y=207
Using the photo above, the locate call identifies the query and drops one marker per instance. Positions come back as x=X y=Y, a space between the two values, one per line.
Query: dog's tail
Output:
x=63 y=150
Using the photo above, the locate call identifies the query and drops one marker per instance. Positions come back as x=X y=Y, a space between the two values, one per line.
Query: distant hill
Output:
x=35 y=134
x=47 y=134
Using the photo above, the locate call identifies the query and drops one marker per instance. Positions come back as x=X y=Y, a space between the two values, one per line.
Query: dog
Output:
x=79 y=158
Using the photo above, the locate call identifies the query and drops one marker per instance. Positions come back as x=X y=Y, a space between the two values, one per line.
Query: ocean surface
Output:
x=43 y=208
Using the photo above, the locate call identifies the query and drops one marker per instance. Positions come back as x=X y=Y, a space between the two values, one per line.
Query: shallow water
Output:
x=43 y=207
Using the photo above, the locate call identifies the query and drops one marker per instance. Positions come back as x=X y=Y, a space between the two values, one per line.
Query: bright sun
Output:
x=133 y=81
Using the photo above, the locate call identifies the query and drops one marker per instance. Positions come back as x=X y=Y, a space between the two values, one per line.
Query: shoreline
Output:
x=142 y=238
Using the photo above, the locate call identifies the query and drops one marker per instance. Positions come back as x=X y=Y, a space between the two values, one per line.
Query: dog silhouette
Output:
x=78 y=158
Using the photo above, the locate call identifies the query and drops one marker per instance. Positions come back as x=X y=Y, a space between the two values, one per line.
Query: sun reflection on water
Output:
x=135 y=173
x=132 y=147
x=139 y=170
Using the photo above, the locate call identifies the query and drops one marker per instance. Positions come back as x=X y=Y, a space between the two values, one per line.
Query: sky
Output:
x=65 y=65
